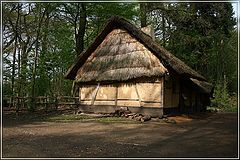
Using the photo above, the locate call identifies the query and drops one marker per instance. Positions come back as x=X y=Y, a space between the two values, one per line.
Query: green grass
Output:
x=87 y=118
x=70 y=117
x=116 y=120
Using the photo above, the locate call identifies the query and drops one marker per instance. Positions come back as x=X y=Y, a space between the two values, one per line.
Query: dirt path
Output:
x=213 y=136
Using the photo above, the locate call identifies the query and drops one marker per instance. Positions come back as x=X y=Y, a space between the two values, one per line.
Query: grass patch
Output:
x=116 y=120
x=26 y=117
x=87 y=118
x=70 y=117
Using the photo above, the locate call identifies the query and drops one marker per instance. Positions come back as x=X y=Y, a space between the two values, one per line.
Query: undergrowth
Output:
x=223 y=101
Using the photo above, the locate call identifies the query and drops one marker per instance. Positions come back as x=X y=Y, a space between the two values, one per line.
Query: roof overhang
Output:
x=203 y=86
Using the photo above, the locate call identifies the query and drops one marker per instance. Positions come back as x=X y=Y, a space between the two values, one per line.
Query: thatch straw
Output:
x=119 y=57
x=204 y=86
x=119 y=46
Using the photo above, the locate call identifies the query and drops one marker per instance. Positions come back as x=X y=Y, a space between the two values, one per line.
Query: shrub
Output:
x=222 y=99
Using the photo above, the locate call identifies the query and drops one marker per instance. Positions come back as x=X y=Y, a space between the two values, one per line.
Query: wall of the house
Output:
x=171 y=92
x=182 y=96
x=166 y=95
x=191 y=100
x=141 y=97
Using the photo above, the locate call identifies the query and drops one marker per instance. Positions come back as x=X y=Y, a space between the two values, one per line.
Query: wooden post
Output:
x=95 y=94
x=73 y=89
x=24 y=102
x=116 y=95
x=139 y=99
x=46 y=103
x=79 y=95
x=162 y=92
x=17 y=105
x=56 y=102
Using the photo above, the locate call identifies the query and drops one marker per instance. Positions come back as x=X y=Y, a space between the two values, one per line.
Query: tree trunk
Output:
x=143 y=14
x=163 y=30
x=23 y=68
x=33 y=105
x=81 y=30
x=13 y=65
x=19 y=72
x=40 y=20
x=15 y=50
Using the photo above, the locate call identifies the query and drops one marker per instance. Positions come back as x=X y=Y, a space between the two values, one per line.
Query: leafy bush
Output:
x=222 y=99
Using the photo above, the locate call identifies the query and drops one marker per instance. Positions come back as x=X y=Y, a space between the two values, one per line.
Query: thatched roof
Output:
x=204 y=86
x=119 y=57
x=113 y=59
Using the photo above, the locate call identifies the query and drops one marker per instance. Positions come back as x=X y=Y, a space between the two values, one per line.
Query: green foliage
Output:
x=221 y=96
x=55 y=60
x=222 y=100
x=6 y=90
x=99 y=13
x=201 y=30
x=202 y=35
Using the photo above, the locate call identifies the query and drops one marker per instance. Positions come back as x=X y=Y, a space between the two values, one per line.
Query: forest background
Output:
x=41 y=40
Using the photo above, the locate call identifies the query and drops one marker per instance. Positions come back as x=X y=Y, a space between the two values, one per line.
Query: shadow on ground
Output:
x=212 y=136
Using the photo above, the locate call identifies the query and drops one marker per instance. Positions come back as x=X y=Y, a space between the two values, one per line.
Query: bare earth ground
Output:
x=214 y=135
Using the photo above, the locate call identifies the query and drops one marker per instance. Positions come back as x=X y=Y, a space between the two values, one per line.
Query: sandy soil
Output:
x=207 y=136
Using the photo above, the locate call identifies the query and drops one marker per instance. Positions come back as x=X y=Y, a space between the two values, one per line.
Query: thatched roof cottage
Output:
x=125 y=67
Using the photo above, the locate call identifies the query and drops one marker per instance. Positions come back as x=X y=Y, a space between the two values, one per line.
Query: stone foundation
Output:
x=153 y=111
